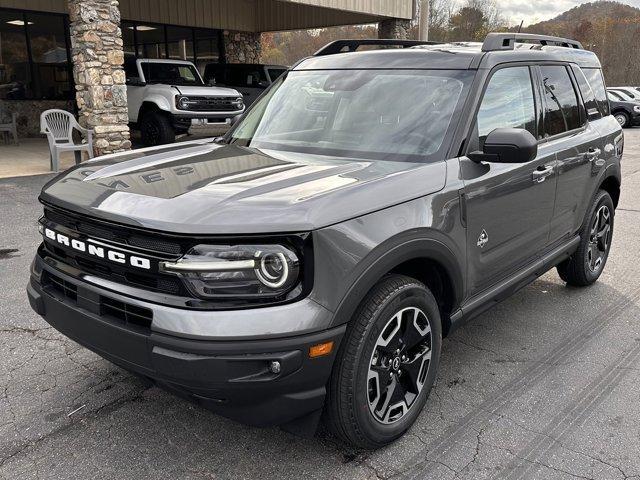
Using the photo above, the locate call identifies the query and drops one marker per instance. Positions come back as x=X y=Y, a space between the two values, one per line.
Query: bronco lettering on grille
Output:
x=93 y=248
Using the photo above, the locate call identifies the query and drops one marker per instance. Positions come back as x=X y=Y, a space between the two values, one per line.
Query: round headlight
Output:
x=239 y=103
x=273 y=270
x=183 y=103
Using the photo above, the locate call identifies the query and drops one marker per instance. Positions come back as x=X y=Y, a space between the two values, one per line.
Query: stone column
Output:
x=242 y=47
x=97 y=55
x=394 y=28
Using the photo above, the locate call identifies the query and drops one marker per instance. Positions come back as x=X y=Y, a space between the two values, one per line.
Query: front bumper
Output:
x=230 y=377
x=185 y=119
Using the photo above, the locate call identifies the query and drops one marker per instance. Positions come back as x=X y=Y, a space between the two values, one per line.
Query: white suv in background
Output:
x=166 y=97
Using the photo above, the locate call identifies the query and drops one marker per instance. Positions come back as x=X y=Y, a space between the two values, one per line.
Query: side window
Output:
x=131 y=70
x=594 y=76
x=589 y=98
x=508 y=102
x=561 y=104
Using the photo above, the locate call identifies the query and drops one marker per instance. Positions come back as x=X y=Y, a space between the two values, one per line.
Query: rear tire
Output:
x=586 y=264
x=378 y=389
x=156 y=129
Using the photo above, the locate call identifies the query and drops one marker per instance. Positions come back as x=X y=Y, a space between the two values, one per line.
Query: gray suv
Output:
x=370 y=202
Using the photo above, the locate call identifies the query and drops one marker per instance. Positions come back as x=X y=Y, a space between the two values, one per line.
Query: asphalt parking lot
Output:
x=543 y=386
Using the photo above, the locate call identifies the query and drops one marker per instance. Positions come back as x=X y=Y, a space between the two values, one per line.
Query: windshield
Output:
x=171 y=73
x=401 y=115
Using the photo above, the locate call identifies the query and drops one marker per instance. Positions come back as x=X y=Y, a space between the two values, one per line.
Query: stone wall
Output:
x=29 y=111
x=101 y=93
x=394 y=28
x=242 y=47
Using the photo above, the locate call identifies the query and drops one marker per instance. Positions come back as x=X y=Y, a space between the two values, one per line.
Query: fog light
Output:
x=321 y=349
x=274 y=367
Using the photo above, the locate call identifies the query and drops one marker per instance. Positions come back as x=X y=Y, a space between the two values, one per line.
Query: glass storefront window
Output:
x=151 y=41
x=49 y=56
x=14 y=60
x=128 y=39
x=207 y=48
x=34 y=54
x=180 y=43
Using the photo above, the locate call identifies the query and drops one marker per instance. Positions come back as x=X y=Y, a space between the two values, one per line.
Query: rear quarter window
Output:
x=588 y=97
x=596 y=81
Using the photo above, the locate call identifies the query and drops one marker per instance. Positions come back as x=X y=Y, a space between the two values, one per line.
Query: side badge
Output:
x=483 y=239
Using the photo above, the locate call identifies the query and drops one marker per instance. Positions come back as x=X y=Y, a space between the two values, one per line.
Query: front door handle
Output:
x=592 y=154
x=541 y=173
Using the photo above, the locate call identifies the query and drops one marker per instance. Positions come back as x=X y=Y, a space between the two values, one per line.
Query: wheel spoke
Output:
x=391 y=388
x=413 y=368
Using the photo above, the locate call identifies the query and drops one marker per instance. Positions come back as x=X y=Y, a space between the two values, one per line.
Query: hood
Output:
x=206 y=91
x=206 y=188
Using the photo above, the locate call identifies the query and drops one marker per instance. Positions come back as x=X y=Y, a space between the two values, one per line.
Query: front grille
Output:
x=213 y=104
x=152 y=246
x=107 y=307
x=114 y=233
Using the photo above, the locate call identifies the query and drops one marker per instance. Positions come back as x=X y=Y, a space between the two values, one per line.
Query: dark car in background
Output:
x=625 y=110
x=250 y=79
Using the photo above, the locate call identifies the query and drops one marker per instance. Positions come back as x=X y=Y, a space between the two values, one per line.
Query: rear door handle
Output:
x=541 y=173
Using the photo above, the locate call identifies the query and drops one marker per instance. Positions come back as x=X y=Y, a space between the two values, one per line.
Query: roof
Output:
x=449 y=56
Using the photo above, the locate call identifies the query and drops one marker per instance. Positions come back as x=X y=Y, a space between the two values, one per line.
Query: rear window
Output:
x=594 y=76
x=562 y=113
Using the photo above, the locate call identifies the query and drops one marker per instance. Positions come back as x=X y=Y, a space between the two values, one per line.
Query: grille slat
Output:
x=109 y=307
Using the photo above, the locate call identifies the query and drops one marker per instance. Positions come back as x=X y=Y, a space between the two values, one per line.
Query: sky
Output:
x=533 y=11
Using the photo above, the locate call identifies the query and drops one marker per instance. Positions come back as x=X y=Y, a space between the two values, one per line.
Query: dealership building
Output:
x=69 y=54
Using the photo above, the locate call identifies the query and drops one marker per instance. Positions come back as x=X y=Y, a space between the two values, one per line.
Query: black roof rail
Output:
x=507 y=41
x=339 y=46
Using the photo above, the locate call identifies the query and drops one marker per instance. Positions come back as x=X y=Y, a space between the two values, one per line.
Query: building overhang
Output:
x=246 y=15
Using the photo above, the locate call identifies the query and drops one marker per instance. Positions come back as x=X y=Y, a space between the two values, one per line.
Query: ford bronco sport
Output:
x=364 y=207
x=167 y=97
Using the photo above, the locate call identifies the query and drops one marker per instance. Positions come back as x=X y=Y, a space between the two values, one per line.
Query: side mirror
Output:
x=507 y=145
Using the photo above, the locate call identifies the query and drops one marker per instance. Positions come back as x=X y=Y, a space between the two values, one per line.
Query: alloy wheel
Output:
x=599 y=238
x=399 y=365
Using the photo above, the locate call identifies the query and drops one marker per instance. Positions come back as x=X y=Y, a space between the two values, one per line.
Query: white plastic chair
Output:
x=59 y=125
x=10 y=127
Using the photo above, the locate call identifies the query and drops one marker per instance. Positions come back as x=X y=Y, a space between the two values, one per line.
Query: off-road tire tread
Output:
x=167 y=133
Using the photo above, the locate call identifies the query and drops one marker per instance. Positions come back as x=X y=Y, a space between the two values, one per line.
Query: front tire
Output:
x=156 y=129
x=585 y=266
x=386 y=365
x=622 y=118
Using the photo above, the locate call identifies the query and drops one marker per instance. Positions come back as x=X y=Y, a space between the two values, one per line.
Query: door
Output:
x=509 y=206
x=571 y=121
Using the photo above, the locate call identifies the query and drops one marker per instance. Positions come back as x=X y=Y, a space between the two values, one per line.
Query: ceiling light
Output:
x=20 y=23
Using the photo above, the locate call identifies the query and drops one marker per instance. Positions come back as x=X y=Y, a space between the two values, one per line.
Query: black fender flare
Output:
x=415 y=245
